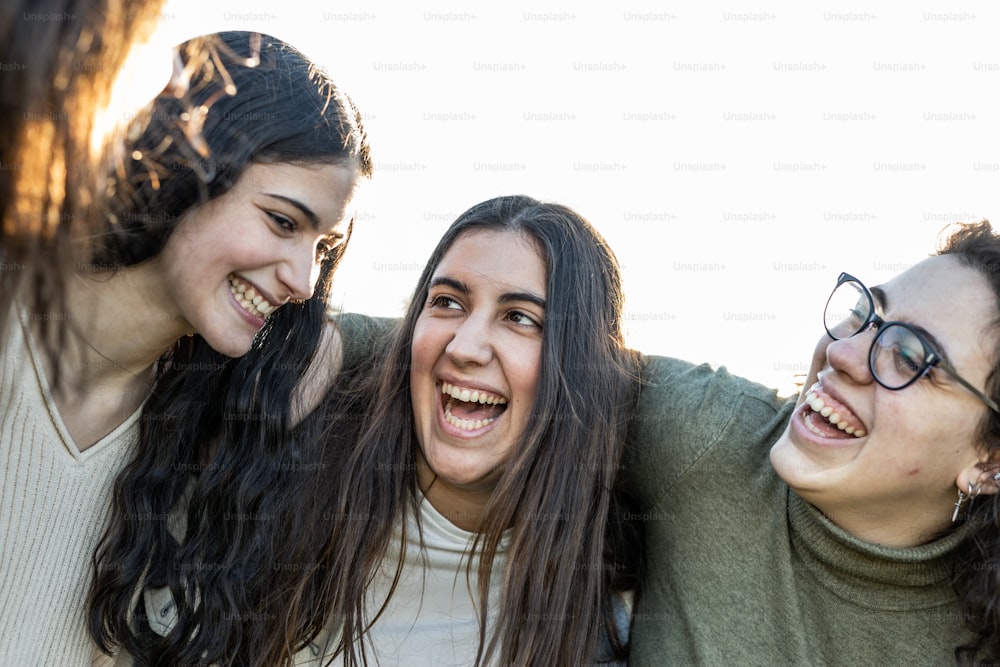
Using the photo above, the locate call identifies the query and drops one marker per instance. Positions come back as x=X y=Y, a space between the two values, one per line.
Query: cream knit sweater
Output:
x=53 y=508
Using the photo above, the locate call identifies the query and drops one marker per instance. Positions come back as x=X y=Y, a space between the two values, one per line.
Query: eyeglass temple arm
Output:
x=946 y=367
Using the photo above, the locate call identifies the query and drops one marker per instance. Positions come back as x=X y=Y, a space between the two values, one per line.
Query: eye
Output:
x=905 y=359
x=443 y=301
x=283 y=221
x=523 y=319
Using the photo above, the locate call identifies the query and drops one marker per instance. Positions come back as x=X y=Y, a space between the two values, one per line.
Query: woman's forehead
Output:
x=949 y=298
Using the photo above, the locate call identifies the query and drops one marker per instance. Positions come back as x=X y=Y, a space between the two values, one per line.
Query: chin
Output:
x=783 y=457
x=230 y=348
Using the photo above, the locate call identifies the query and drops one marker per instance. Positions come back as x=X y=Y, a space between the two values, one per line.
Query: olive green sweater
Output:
x=741 y=570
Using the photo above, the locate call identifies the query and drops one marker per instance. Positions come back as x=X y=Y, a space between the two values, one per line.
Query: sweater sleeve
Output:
x=363 y=336
x=684 y=410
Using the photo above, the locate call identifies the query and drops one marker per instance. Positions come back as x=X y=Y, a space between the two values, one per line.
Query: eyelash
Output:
x=440 y=301
x=443 y=301
x=518 y=313
x=282 y=221
x=326 y=245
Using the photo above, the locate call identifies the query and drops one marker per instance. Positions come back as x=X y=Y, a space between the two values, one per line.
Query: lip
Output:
x=248 y=317
x=828 y=387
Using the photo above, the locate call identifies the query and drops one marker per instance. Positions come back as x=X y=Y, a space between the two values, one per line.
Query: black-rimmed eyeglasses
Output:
x=899 y=355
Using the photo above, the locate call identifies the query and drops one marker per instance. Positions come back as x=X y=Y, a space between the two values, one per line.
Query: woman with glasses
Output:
x=871 y=534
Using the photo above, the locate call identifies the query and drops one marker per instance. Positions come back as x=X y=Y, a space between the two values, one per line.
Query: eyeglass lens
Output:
x=897 y=355
x=847 y=311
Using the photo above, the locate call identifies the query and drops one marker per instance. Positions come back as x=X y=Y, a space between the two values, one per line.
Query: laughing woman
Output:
x=228 y=210
x=473 y=520
x=860 y=525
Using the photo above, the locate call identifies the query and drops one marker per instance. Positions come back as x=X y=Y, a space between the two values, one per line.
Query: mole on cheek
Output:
x=913 y=472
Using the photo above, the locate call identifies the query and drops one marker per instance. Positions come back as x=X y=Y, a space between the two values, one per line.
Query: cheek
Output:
x=422 y=350
x=527 y=373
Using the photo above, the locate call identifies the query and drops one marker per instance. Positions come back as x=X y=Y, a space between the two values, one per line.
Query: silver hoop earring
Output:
x=970 y=496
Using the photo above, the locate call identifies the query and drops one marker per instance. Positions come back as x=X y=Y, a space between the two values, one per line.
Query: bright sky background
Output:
x=737 y=156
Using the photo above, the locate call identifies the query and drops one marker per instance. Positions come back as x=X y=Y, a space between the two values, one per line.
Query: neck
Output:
x=891 y=526
x=462 y=506
x=119 y=324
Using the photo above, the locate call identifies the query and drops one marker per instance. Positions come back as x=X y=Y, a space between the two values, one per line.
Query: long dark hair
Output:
x=977 y=246
x=216 y=431
x=563 y=469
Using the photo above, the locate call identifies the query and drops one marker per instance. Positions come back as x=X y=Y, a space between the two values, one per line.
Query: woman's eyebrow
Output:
x=882 y=300
x=530 y=297
x=456 y=285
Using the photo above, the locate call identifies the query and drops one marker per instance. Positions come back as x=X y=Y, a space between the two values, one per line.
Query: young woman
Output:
x=485 y=468
x=229 y=209
x=871 y=534
x=461 y=510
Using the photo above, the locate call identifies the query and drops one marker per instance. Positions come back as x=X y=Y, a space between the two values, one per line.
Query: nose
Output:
x=299 y=270
x=471 y=342
x=850 y=355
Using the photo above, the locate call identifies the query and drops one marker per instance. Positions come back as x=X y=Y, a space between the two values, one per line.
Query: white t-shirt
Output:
x=431 y=618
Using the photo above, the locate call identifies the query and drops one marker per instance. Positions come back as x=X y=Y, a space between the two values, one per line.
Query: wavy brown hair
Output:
x=977 y=246
x=555 y=599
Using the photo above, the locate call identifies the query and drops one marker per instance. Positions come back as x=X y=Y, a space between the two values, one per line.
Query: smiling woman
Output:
x=477 y=349
x=463 y=507
x=241 y=183
x=216 y=266
x=871 y=535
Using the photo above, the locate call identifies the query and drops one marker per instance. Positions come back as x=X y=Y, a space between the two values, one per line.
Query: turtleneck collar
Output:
x=871 y=575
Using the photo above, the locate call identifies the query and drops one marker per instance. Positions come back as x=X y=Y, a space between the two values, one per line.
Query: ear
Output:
x=983 y=476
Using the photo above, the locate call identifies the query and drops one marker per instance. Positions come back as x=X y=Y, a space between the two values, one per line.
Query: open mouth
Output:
x=247 y=296
x=828 y=418
x=471 y=409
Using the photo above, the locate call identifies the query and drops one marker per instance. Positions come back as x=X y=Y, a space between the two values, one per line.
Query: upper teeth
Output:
x=471 y=395
x=249 y=299
x=818 y=405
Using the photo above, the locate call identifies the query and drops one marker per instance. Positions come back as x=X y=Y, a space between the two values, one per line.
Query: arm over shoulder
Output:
x=685 y=409
x=348 y=341
x=362 y=336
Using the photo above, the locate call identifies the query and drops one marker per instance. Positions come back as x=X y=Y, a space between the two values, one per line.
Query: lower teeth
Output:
x=464 y=424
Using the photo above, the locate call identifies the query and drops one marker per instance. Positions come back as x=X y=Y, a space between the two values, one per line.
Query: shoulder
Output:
x=360 y=336
x=684 y=409
x=673 y=388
